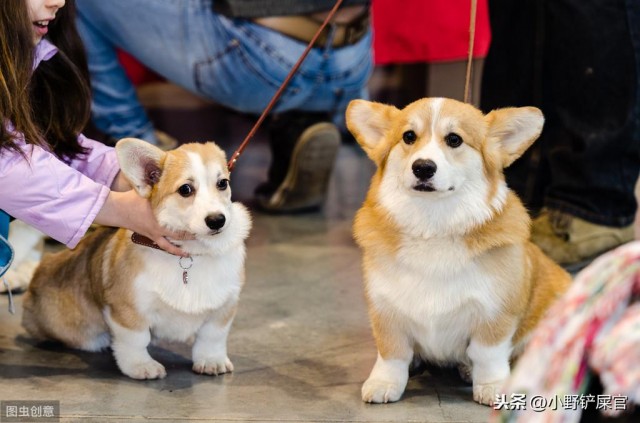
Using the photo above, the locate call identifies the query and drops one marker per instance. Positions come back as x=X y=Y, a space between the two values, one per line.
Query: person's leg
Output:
x=304 y=142
x=167 y=36
x=591 y=99
x=511 y=77
x=104 y=26
x=116 y=110
x=234 y=62
x=591 y=106
x=255 y=61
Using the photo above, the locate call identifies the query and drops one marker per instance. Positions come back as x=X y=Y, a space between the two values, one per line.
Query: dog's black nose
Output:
x=215 y=221
x=424 y=169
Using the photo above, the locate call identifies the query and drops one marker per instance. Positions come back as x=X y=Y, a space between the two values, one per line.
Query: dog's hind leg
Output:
x=52 y=314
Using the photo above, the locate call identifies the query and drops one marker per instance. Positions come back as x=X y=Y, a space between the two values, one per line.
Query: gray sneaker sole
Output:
x=307 y=180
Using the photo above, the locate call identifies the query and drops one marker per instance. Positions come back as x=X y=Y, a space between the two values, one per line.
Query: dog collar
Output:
x=136 y=238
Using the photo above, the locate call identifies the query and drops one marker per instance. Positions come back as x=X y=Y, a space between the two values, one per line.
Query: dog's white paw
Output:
x=149 y=369
x=213 y=366
x=486 y=393
x=381 y=391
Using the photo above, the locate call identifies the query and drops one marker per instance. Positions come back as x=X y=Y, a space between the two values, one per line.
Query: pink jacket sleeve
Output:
x=100 y=164
x=58 y=199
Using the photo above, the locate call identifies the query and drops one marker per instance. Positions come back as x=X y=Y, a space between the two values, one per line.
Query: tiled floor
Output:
x=301 y=343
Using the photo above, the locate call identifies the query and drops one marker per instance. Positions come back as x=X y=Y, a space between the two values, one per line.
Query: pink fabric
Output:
x=59 y=199
x=52 y=196
x=594 y=327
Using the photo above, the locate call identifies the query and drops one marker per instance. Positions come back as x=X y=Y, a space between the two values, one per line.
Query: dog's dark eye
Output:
x=409 y=137
x=453 y=140
x=185 y=190
x=223 y=184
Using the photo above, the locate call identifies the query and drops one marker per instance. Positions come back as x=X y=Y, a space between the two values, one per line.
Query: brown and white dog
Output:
x=112 y=292
x=450 y=274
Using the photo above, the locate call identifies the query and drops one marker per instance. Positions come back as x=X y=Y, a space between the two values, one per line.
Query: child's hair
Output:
x=50 y=105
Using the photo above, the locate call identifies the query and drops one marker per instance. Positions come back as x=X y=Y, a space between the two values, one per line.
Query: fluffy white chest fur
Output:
x=176 y=310
x=439 y=289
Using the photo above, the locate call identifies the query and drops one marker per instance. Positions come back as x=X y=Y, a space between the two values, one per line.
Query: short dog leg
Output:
x=490 y=369
x=209 y=351
x=130 y=351
x=387 y=380
x=390 y=374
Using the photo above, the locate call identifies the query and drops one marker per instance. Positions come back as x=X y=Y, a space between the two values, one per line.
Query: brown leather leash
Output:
x=278 y=93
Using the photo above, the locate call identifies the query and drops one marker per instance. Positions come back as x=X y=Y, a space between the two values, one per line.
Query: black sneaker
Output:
x=304 y=147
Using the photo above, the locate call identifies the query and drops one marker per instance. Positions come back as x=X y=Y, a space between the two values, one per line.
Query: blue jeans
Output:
x=578 y=61
x=233 y=62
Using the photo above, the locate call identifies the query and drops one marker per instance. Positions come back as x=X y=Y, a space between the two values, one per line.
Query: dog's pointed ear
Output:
x=141 y=163
x=512 y=130
x=369 y=121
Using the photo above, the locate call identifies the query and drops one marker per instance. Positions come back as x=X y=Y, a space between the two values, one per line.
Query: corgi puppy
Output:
x=450 y=274
x=110 y=291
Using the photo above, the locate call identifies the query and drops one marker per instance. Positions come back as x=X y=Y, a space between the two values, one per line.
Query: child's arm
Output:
x=99 y=164
x=49 y=195
x=62 y=202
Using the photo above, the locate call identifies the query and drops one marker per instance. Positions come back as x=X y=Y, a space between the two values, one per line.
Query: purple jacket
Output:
x=60 y=199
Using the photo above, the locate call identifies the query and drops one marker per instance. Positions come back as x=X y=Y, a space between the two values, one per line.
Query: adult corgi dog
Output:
x=110 y=291
x=450 y=275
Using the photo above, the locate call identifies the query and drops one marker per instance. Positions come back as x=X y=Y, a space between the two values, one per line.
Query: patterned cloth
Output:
x=594 y=327
x=6 y=252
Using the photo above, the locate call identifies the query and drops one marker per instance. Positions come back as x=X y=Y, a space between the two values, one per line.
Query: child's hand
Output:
x=129 y=210
x=120 y=183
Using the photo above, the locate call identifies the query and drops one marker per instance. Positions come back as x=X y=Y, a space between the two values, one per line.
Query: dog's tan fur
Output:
x=102 y=292
x=517 y=282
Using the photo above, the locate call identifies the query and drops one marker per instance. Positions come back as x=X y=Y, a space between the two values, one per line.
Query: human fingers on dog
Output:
x=169 y=247
x=180 y=235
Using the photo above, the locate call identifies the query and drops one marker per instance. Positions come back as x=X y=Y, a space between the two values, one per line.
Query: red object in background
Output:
x=136 y=71
x=412 y=31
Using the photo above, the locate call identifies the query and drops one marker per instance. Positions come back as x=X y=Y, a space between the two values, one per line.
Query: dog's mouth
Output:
x=214 y=232
x=424 y=187
x=427 y=187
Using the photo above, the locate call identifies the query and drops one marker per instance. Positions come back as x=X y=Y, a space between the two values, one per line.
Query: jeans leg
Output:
x=164 y=35
x=233 y=62
x=590 y=84
x=511 y=78
x=253 y=62
x=115 y=107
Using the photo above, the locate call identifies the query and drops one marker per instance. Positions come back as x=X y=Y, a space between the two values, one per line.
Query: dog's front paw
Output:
x=486 y=393
x=149 y=369
x=213 y=366
x=381 y=391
